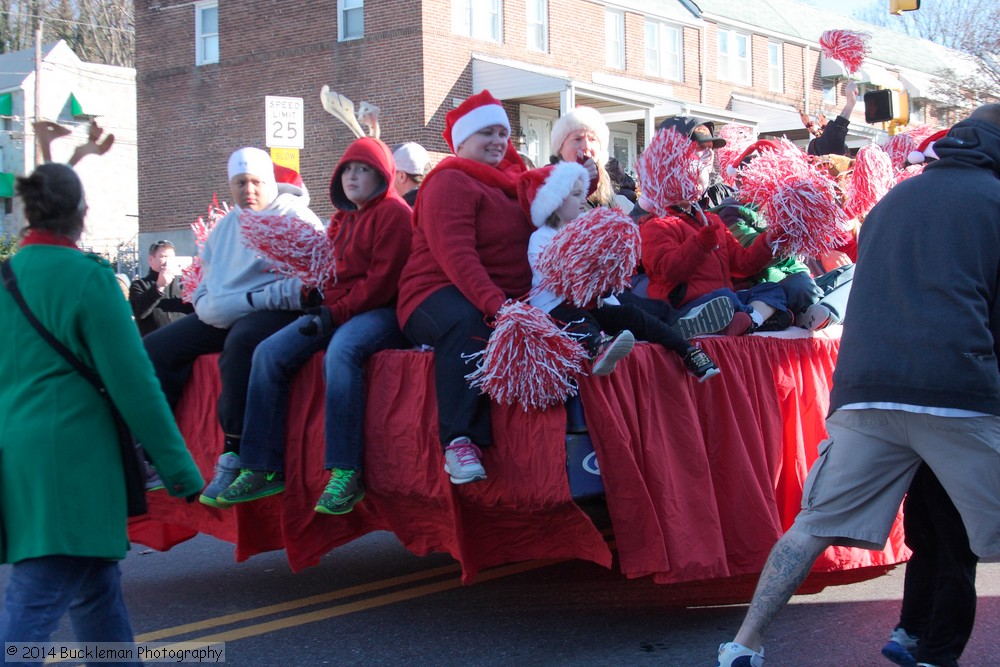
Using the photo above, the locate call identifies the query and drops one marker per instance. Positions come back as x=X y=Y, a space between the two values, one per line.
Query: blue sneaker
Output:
x=226 y=472
x=900 y=648
x=732 y=654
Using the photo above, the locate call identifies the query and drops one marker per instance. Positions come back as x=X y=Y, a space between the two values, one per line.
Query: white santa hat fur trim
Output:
x=542 y=191
x=581 y=118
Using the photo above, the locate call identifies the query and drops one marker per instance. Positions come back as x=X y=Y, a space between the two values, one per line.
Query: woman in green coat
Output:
x=62 y=488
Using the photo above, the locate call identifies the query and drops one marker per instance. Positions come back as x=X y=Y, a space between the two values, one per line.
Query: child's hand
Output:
x=708 y=236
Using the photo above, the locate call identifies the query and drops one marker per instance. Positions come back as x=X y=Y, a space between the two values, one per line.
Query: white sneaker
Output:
x=612 y=351
x=816 y=317
x=461 y=462
x=732 y=654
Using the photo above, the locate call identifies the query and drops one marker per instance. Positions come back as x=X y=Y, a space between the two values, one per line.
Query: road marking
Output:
x=336 y=610
x=361 y=589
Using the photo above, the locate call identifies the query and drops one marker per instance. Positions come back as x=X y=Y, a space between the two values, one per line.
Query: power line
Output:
x=54 y=19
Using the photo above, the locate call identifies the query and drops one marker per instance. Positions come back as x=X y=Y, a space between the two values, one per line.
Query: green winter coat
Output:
x=62 y=490
x=746 y=224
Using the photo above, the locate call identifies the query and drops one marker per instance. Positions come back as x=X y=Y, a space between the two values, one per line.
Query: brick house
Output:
x=204 y=69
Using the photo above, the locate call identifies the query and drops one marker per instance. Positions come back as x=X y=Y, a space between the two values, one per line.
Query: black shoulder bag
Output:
x=135 y=480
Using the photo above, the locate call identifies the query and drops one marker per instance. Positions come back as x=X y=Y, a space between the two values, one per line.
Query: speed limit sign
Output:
x=284 y=119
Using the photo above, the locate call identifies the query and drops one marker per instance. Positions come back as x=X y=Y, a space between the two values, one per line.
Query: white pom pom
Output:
x=915 y=157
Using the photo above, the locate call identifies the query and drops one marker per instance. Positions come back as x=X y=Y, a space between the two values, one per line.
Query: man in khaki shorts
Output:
x=917 y=378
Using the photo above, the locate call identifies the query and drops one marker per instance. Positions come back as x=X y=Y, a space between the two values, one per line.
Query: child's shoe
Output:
x=343 y=492
x=740 y=324
x=226 y=471
x=901 y=647
x=611 y=351
x=732 y=654
x=816 y=317
x=251 y=485
x=778 y=321
x=700 y=364
x=461 y=462
x=707 y=318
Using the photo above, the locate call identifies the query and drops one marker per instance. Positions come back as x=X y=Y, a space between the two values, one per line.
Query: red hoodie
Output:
x=371 y=243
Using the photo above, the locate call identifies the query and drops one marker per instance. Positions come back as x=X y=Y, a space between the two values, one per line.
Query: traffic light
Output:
x=900 y=6
x=885 y=105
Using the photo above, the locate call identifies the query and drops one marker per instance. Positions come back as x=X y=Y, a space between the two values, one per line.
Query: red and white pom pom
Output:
x=846 y=47
x=738 y=139
x=592 y=255
x=909 y=172
x=669 y=171
x=762 y=177
x=293 y=246
x=528 y=360
x=871 y=178
x=191 y=275
x=804 y=218
x=898 y=147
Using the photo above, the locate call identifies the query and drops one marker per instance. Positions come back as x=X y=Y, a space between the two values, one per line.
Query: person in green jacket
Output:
x=62 y=486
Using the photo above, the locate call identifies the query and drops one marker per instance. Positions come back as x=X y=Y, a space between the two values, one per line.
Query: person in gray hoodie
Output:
x=239 y=302
x=917 y=378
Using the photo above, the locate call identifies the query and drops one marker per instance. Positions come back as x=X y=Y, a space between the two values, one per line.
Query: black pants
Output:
x=449 y=323
x=615 y=319
x=174 y=348
x=939 y=589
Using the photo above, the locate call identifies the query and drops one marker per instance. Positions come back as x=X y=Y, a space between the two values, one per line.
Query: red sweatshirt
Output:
x=469 y=232
x=672 y=256
x=371 y=243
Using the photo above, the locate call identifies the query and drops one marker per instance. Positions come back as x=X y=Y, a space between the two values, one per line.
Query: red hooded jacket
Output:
x=371 y=243
x=674 y=259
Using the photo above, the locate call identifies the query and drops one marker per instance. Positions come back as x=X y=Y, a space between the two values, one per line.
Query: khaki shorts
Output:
x=855 y=487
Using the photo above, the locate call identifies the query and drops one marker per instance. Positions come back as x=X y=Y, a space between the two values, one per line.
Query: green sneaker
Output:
x=252 y=485
x=343 y=492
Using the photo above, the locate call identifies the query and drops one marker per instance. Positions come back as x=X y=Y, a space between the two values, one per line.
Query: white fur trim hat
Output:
x=476 y=112
x=581 y=118
x=541 y=191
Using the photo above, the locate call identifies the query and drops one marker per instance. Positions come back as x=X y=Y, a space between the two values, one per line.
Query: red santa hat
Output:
x=476 y=112
x=759 y=146
x=287 y=175
x=582 y=118
x=542 y=191
x=925 y=151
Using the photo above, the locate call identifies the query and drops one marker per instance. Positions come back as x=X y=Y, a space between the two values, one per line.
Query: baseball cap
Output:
x=701 y=131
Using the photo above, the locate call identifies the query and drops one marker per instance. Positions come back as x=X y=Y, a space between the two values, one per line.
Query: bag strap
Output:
x=10 y=282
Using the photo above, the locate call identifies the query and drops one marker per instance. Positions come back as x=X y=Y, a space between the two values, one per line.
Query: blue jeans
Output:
x=41 y=590
x=279 y=357
x=767 y=293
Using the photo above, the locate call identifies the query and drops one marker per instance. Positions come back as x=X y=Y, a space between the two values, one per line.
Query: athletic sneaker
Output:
x=732 y=654
x=779 y=321
x=816 y=317
x=461 y=462
x=226 y=471
x=741 y=324
x=700 y=364
x=342 y=493
x=611 y=351
x=901 y=647
x=153 y=481
x=707 y=318
x=251 y=485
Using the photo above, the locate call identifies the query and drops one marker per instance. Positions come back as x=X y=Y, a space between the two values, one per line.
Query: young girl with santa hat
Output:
x=553 y=196
x=468 y=258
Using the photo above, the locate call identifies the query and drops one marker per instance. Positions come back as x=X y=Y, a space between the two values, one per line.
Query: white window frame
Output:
x=614 y=38
x=343 y=7
x=775 y=67
x=478 y=19
x=659 y=62
x=626 y=131
x=731 y=67
x=200 y=36
x=537 y=28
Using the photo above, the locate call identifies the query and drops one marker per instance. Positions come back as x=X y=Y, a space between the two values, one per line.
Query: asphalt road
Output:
x=373 y=603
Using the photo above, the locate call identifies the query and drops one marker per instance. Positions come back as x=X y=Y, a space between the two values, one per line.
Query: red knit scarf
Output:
x=45 y=237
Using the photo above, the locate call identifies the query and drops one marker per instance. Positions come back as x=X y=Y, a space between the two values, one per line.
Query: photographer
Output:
x=156 y=297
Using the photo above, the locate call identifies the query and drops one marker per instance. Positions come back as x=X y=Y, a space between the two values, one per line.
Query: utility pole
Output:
x=38 y=87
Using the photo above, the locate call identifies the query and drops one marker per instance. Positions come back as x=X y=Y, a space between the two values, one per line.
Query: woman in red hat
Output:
x=469 y=256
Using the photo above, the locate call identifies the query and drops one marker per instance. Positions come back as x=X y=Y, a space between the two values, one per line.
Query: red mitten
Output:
x=708 y=237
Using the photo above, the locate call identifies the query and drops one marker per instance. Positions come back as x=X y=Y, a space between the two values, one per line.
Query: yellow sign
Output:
x=286 y=157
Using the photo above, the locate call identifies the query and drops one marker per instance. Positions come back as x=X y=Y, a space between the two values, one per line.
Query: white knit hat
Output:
x=257 y=163
x=581 y=118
